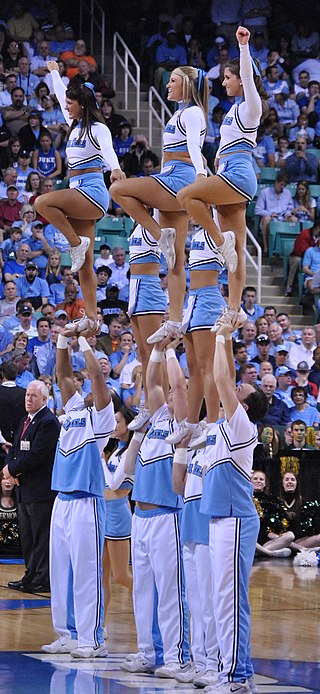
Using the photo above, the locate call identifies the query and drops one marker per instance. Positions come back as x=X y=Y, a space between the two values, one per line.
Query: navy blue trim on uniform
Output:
x=236 y=446
x=99 y=595
x=240 y=124
x=236 y=601
x=179 y=589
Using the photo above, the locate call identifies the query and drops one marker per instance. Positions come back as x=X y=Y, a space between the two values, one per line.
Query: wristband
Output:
x=155 y=355
x=227 y=337
x=170 y=353
x=84 y=346
x=220 y=338
x=180 y=456
x=138 y=436
x=62 y=342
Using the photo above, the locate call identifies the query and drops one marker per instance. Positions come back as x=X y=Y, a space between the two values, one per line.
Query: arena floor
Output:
x=285 y=603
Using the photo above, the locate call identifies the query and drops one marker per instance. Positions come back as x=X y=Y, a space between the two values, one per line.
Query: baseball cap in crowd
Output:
x=104 y=245
x=258 y=33
x=35 y=114
x=282 y=371
x=112 y=286
x=281 y=348
x=12 y=187
x=36 y=224
x=303 y=366
x=25 y=311
x=281 y=90
x=60 y=313
x=30 y=263
x=24 y=153
x=171 y=31
x=220 y=39
x=262 y=340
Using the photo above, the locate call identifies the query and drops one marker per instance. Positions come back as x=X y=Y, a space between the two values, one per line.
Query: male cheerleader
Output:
x=234 y=525
x=78 y=517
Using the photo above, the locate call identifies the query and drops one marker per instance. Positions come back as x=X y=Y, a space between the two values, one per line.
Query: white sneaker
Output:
x=81 y=324
x=166 y=245
x=78 y=253
x=169 y=326
x=168 y=671
x=136 y=662
x=228 y=250
x=208 y=679
x=90 y=652
x=61 y=645
x=141 y=419
x=201 y=440
x=229 y=688
x=283 y=553
x=230 y=316
x=189 y=672
x=252 y=685
x=182 y=430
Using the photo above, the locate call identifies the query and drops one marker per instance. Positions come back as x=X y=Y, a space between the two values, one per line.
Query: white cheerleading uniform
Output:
x=118 y=512
x=205 y=303
x=77 y=523
x=143 y=248
x=228 y=498
x=184 y=132
x=197 y=569
x=94 y=150
x=238 y=133
x=145 y=293
x=156 y=549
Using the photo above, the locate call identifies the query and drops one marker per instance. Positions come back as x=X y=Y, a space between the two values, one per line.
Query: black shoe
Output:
x=35 y=588
x=17 y=585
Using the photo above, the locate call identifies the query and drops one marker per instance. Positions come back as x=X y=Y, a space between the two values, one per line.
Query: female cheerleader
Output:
x=205 y=263
x=116 y=551
x=147 y=302
x=74 y=211
x=182 y=164
x=235 y=182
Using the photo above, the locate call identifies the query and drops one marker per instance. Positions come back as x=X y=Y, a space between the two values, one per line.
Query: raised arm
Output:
x=59 y=89
x=177 y=382
x=251 y=109
x=223 y=377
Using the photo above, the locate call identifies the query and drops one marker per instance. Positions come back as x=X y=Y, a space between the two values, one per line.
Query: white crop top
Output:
x=95 y=148
x=185 y=132
x=239 y=128
x=143 y=248
x=203 y=253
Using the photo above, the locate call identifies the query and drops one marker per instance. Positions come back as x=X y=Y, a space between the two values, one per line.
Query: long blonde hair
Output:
x=190 y=91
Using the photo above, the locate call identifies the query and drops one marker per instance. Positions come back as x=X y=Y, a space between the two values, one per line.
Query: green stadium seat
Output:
x=278 y=231
x=268 y=173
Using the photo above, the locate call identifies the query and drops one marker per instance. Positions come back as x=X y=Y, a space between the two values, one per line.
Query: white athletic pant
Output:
x=76 y=543
x=157 y=561
x=232 y=543
x=199 y=594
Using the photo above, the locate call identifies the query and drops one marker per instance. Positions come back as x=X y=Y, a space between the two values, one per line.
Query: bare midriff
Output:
x=203 y=278
x=143 y=506
x=80 y=172
x=144 y=269
x=229 y=154
x=110 y=494
x=176 y=156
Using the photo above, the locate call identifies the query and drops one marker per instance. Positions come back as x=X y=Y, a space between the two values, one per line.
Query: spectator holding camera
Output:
x=301 y=166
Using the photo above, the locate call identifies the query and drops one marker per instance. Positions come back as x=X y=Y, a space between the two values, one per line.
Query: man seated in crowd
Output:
x=42 y=338
x=21 y=360
x=57 y=289
x=9 y=209
x=249 y=305
x=168 y=56
x=302 y=379
x=33 y=287
x=119 y=267
x=278 y=412
x=240 y=356
x=30 y=134
x=248 y=374
x=273 y=204
x=301 y=166
x=40 y=249
x=15 y=115
x=112 y=304
x=299 y=433
x=103 y=275
x=306 y=239
x=263 y=346
x=123 y=355
x=288 y=333
x=314 y=376
x=72 y=305
x=9 y=302
x=248 y=337
x=281 y=354
x=23 y=322
x=72 y=58
x=303 y=351
x=15 y=268
x=47 y=353
x=110 y=342
x=276 y=338
x=284 y=387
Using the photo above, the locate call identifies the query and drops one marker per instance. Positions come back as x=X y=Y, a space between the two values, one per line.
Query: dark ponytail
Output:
x=91 y=113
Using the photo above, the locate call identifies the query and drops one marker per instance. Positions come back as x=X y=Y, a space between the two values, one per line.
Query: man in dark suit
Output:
x=29 y=464
x=12 y=406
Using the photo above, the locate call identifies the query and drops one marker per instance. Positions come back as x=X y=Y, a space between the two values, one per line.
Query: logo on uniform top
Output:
x=159 y=434
x=135 y=242
x=74 y=423
x=211 y=440
x=76 y=143
x=170 y=128
x=227 y=120
x=195 y=469
x=112 y=467
x=197 y=245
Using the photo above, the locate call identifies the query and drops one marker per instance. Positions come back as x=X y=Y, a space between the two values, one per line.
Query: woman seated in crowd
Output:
x=304 y=205
x=273 y=540
x=268 y=445
x=53 y=269
x=33 y=184
x=303 y=517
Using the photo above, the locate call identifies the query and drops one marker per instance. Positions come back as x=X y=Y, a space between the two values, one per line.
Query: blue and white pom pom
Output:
x=307 y=558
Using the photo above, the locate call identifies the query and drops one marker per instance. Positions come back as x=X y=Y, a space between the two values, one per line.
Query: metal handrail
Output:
x=257 y=264
x=154 y=114
x=128 y=75
x=93 y=9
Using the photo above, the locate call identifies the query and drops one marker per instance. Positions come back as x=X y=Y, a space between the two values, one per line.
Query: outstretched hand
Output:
x=243 y=35
x=117 y=175
x=52 y=65
x=166 y=342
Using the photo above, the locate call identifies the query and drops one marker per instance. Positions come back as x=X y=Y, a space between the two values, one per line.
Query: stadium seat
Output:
x=278 y=231
x=268 y=173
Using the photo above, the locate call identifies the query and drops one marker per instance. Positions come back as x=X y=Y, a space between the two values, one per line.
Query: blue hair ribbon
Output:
x=201 y=75
x=255 y=67
x=90 y=86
